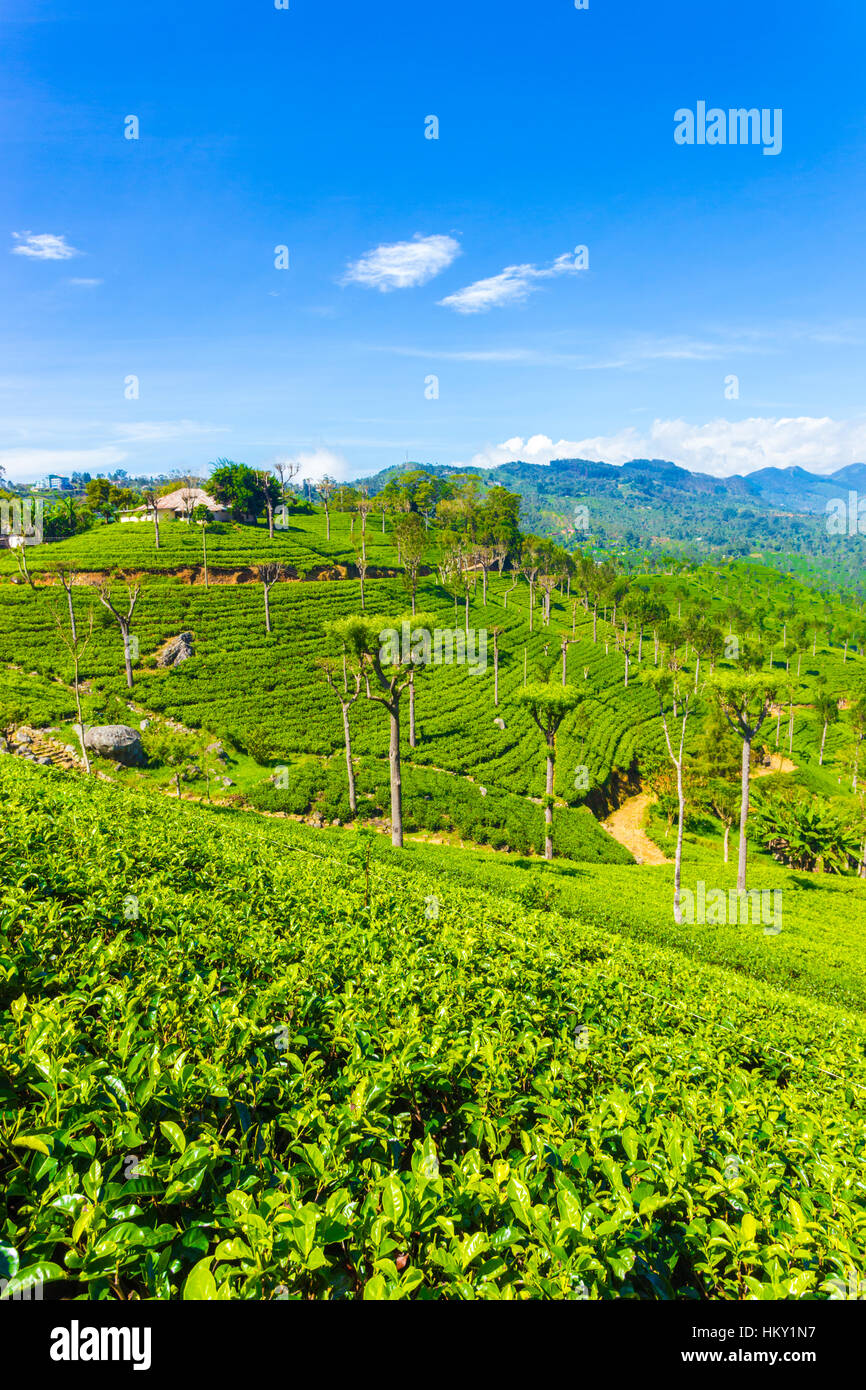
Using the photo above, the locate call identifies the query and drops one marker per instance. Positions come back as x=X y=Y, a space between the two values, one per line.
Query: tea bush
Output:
x=238 y=1063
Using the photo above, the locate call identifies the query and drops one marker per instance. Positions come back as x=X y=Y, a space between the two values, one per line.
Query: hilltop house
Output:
x=177 y=505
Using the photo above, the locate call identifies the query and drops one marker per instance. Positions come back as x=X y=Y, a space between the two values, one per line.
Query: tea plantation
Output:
x=240 y=1059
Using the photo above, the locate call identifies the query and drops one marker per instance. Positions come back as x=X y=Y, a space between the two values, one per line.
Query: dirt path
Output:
x=778 y=763
x=626 y=826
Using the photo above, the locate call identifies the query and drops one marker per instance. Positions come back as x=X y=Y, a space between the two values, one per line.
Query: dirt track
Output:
x=626 y=826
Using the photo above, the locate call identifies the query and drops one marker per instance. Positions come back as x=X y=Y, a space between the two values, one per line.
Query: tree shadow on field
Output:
x=558 y=869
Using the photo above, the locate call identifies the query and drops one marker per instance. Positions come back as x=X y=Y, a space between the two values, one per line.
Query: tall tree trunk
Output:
x=496 y=670
x=412 y=710
x=823 y=741
x=396 y=780
x=595 y=623
x=204 y=552
x=80 y=720
x=353 y=804
x=681 y=817
x=744 y=813
x=127 y=660
x=727 y=839
x=548 y=804
x=267 y=611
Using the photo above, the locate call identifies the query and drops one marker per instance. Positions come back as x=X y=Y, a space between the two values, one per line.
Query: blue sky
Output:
x=306 y=128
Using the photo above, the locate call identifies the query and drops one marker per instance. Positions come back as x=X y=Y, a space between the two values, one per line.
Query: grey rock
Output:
x=176 y=650
x=118 y=742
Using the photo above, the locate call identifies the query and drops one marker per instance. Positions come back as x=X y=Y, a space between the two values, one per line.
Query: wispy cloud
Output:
x=161 y=431
x=403 y=264
x=43 y=246
x=720 y=447
x=514 y=284
x=86 y=284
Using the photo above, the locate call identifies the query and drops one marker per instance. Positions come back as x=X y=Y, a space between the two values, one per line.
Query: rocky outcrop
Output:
x=175 y=650
x=118 y=742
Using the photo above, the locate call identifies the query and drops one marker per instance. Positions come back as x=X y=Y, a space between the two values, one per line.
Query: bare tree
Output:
x=485 y=557
x=20 y=553
x=188 y=487
x=123 y=620
x=346 y=702
x=530 y=564
x=325 y=488
x=548 y=583
x=364 y=506
x=150 y=500
x=268 y=575
x=76 y=645
x=286 y=472
x=268 y=487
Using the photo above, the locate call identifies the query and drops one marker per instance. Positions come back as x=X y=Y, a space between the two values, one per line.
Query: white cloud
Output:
x=511 y=286
x=315 y=463
x=76 y=280
x=43 y=246
x=28 y=465
x=719 y=447
x=403 y=264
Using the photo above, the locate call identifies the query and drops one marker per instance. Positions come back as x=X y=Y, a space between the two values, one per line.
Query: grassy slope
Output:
x=426 y=1099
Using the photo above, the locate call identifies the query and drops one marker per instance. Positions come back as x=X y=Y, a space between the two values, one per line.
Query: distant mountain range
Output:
x=791 y=489
x=653 y=503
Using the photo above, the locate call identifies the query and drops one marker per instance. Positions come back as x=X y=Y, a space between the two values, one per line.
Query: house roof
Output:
x=191 y=497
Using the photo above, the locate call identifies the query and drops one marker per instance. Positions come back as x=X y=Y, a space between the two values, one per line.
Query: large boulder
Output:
x=118 y=742
x=176 y=650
